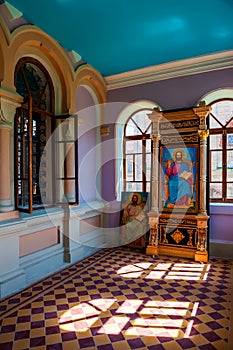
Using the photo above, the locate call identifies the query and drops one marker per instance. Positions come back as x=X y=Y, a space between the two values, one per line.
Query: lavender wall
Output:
x=175 y=93
x=87 y=158
x=221 y=221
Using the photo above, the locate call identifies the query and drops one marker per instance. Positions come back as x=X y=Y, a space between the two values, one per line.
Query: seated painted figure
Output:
x=133 y=220
x=180 y=182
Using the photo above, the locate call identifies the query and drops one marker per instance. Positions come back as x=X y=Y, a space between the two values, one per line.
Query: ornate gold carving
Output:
x=164 y=241
x=153 y=222
x=179 y=124
x=190 y=233
x=154 y=137
x=176 y=221
x=202 y=224
x=202 y=112
x=203 y=133
x=177 y=236
x=190 y=222
x=202 y=242
x=155 y=117
x=179 y=139
x=153 y=241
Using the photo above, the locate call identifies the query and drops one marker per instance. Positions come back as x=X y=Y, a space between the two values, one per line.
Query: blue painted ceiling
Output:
x=119 y=36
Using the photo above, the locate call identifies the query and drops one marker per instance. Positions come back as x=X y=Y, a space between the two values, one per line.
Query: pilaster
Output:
x=9 y=101
x=153 y=215
x=202 y=218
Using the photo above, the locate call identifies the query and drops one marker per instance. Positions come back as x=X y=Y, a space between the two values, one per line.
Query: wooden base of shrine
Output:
x=177 y=252
x=152 y=250
x=201 y=256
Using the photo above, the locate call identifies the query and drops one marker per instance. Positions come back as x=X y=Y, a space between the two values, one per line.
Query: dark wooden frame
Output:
x=31 y=108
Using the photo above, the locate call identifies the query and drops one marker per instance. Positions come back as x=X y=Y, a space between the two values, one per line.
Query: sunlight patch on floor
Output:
x=155 y=317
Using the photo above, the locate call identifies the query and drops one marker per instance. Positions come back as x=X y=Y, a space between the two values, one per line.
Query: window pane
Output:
x=60 y=160
x=148 y=187
x=223 y=111
x=148 y=146
x=214 y=124
x=36 y=192
x=216 y=166
x=142 y=120
x=215 y=190
x=229 y=140
x=148 y=167
x=68 y=129
x=133 y=146
x=36 y=81
x=69 y=189
x=60 y=191
x=138 y=167
x=131 y=129
x=230 y=191
x=138 y=144
x=129 y=168
x=230 y=166
x=129 y=186
x=133 y=186
x=70 y=159
x=138 y=187
x=23 y=194
x=149 y=130
x=215 y=141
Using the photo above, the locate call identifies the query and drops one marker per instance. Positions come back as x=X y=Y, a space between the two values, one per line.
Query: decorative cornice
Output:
x=170 y=70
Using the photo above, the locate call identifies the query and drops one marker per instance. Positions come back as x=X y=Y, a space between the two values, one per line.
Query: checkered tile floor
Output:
x=123 y=299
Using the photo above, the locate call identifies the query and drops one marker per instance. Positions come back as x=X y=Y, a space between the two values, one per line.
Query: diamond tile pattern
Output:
x=122 y=299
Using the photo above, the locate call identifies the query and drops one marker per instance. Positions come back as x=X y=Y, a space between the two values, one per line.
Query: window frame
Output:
x=31 y=109
x=142 y=137
x=59 y=120
x=222 y=131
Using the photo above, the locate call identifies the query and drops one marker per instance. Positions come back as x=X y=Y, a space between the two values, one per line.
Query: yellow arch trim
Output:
x=87 y=75
x=30 y=41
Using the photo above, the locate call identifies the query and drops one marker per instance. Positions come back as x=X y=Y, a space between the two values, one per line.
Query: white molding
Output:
x=212 y=96
x=170 y=70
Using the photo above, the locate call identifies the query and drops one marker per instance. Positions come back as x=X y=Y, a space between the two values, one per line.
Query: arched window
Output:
x=33 y=126
x=137 y=152
x=221 y=151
